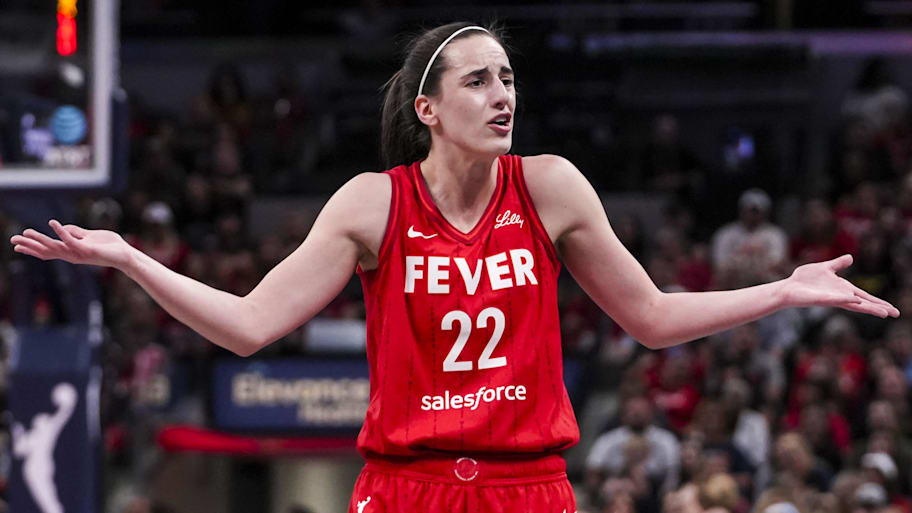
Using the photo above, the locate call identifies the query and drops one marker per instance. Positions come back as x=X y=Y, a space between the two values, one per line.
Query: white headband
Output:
x=440 y=48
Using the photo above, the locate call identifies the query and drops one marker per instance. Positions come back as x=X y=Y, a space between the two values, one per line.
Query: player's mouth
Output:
x=502 y=123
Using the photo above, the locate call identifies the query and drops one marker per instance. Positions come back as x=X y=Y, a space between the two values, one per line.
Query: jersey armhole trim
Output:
x=537 y=224
x=391 y=220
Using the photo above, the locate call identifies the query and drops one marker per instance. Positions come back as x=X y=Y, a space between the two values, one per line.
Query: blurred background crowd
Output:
x=805 y=411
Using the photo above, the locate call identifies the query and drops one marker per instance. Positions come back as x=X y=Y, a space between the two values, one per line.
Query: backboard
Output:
x=58 y=73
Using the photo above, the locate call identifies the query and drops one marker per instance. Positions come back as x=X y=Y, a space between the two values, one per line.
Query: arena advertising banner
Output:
x=55 y=433
x=290 y=395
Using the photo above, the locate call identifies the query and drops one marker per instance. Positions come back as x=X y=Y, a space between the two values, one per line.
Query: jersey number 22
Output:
x=451 y=364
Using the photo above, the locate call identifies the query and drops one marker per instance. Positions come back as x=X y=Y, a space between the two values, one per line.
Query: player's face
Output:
x=476 y=101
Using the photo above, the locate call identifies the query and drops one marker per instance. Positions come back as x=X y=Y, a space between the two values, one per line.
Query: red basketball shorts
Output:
x=463 y=485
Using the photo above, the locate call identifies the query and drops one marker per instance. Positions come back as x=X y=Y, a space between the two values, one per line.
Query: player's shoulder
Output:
x=547 y=162
x=550 y=177
x=366 y=191
x=363 y=201
x=369 y=180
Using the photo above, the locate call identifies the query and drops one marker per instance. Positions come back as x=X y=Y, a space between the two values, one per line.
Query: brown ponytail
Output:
x=403 y=137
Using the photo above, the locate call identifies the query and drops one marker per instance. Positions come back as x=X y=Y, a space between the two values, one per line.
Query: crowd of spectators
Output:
x=803 y=411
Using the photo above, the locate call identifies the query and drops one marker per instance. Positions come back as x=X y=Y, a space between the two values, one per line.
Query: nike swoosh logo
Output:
x=412 y=233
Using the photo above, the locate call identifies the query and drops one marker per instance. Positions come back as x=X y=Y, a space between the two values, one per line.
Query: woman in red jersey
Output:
x=458 y=246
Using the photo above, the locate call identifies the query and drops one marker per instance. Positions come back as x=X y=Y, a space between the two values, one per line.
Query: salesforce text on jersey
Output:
x=449 y=401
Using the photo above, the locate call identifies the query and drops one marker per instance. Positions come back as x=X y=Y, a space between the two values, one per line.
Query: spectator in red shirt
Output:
x=673 y=390
x=820 y=237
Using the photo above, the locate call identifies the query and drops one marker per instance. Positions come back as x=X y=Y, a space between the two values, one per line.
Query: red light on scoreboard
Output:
x=66 y=27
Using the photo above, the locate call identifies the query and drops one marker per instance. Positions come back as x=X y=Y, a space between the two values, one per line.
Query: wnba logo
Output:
x=36 y=447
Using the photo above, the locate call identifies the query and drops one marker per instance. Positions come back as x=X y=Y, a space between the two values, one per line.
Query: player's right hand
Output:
x=76 y=245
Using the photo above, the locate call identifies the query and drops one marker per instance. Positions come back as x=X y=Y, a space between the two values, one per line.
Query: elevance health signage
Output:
x=293 y=395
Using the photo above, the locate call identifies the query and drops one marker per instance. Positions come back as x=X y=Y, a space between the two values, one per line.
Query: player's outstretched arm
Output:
x=290 y=294
x=612 y=277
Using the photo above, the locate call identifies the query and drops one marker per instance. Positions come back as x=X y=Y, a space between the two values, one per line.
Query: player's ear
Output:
x=424 y=108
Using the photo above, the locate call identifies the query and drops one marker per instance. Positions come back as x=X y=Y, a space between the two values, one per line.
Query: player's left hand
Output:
x=818 y=284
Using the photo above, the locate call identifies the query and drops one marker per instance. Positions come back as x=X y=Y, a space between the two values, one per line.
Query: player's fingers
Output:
x=840 y=263
x=866 y=307
x=860 y=292
x=76 y=231
x=44 y=240
x=34 y=248
x=876 y=300
x=31 y=244
x=63 y=234
x=25 y=250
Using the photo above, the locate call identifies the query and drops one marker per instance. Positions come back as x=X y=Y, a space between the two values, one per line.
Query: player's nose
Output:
x=500 y=95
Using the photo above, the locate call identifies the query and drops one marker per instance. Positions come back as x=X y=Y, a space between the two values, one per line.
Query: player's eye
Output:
x=476 y=83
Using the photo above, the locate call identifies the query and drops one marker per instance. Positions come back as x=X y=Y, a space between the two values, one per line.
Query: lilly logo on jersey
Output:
x=507 y=218
x=449 y=401
x=504 y=270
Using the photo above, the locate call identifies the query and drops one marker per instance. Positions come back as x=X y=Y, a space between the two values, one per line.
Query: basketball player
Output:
x=458 y=248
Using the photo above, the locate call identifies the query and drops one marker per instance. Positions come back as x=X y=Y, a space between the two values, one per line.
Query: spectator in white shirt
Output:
x=752 y=249
x=662 y=464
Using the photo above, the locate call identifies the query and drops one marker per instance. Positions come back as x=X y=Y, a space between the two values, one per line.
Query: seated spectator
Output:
x=778 y=507
x=891 y=386
x=227 y=96
x=857 y=213
x=883 y=434
x=788 y=496
x=232 y=187
x=843 y=490
x=827 y=376
x=692 y=460
x=876 y=98
x=796 y=467
x=855 y=159
x=751 y=249
x=197 y=212
x=672 y=386
x=719 y=453
x=159 y=239
x=820 y=237
x=873 y=267
x=684 y=500
x=880 y=469
x=633 y=481
x=752 y=432
x=719 y=494
x=742 y=355
x=677 y=264
x=661 y=460
x=620 y=503
x=899 y=343
x=869 y=497
x=827 y=433
x=883 y=107
x=667 y=165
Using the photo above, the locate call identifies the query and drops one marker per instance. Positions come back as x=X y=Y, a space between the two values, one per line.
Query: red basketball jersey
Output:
x=463 y=338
